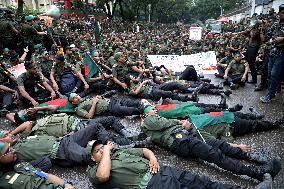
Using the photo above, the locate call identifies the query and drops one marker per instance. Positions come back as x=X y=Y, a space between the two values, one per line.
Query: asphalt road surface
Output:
x=271 y=142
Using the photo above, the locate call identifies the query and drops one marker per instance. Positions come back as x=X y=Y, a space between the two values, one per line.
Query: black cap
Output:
x=281 y=7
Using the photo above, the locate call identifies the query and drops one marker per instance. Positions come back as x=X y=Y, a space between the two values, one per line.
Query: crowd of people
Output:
x=83 y=76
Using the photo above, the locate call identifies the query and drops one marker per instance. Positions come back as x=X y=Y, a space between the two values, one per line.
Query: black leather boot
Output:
x=266 y=183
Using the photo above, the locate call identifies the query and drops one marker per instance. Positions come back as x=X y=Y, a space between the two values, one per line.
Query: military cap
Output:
x=71 y=96
x=5 y=50
x=37 y=46
x=281 y=7
x=147 y=108
x=2 y=145
x=29 y=17
x=117 y=55
x=54 y=21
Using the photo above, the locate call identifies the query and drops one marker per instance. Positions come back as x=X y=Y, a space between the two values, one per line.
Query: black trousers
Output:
x=236 y=79
x=245 y=126
x=169 y=177
x=207 y=108
x=214 y=151
x=158 y=92
x=108 y=122
x=171 y=86
x=264 y=70
x=251 y=56
x=124 y=107
x=189 y=74
x=6 y=98
x=221 y=71
x=72 y=149
x=101 y=86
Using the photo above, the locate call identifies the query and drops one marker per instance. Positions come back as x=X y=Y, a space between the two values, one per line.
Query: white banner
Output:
x=195 y=33
x=202 y=62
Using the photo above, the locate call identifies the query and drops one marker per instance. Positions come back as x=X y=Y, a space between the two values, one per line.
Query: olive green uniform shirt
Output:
x=24 y=177
x=144 y=92
x=160 y=129
x=45 y=67
x=56 y=125
x=34 y=147
x=129 y=169
x=29 y=32
x=237 y=68
x=120 y=71
x=38 y=78
x=85 y=106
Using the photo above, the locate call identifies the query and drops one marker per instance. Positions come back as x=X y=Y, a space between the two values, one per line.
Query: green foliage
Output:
x=29 y=10
x=12 y=8
x=166 y=10
x=205 y=9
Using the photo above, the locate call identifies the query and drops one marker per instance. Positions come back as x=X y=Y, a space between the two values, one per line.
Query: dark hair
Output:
x=127 y=80
x=97 y=142
x=28 y=64
x=17 y=119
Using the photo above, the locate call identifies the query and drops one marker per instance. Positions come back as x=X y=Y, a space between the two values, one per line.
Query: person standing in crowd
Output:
x=276 y=60
x=256 y=38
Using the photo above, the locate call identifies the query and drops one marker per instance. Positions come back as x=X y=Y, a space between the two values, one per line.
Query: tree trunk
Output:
x=20 y=6
x=36 y=3
x=121 y=9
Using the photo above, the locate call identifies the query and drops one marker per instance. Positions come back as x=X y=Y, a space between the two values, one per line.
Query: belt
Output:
x=53 y=152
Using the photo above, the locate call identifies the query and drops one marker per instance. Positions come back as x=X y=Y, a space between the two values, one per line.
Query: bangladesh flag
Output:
x=177 y=110
x=65 y=105
x=210 y=119
x=90 y=66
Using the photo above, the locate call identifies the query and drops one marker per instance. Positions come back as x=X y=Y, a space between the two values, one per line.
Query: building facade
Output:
x=253 y=6
x=41 y=5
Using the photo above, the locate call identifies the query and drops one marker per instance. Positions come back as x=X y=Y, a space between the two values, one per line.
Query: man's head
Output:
x=75 y=98
x=150 y=110
x=37 y=47
x=229 y=54
x=238 y=57
x=6 y=52
x=96 y=56
x=70 y=49
x=29 y=19
x=97 y=151
x=31 y=67
x=45 y=55
x=119 y=57
x=7 y=154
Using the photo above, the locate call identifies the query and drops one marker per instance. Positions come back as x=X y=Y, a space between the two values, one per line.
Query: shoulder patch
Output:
x=179 y=136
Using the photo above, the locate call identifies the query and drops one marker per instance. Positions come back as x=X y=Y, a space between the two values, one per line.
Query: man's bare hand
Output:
x=244 y=147
x=154 y=165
